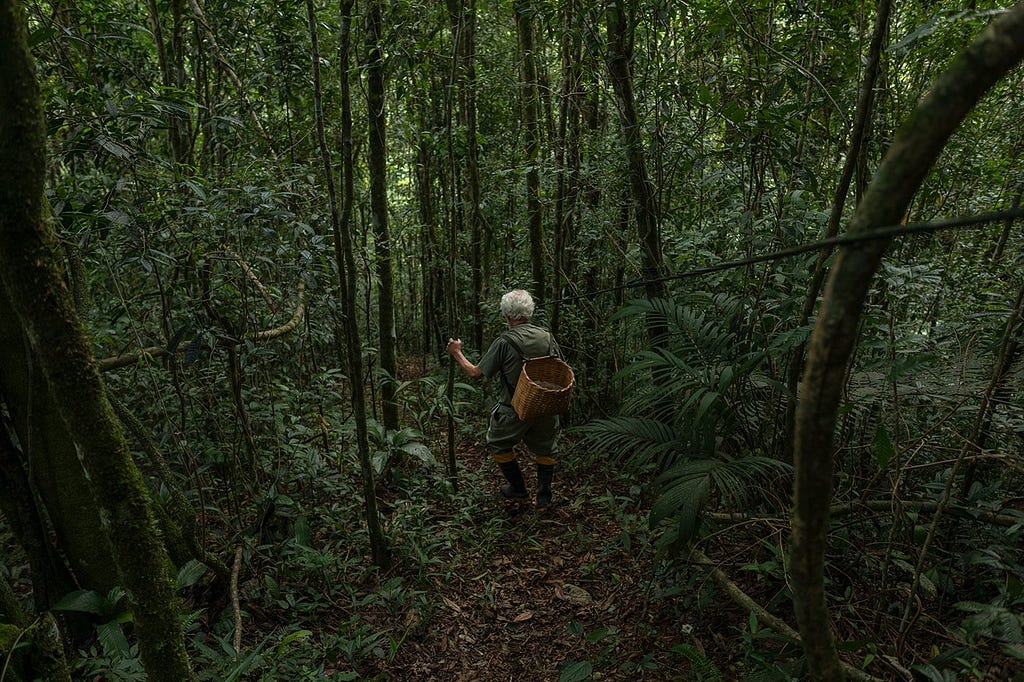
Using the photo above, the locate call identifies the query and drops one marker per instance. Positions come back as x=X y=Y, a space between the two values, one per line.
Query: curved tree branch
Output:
x=914 y=150
x=300 y=310
x=252 y=278
x=747 y=602
x=129 y=359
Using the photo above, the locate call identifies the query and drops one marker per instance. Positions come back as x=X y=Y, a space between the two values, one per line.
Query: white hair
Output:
x=517 y=305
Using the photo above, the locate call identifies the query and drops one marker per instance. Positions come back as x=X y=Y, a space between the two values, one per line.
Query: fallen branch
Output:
x=235 y=608
x=764 y=616
x=741 y=597
x=883 y=505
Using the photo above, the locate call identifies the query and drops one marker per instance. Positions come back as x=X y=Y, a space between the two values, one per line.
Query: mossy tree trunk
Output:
x=51 y=577
x=45 y=311
x=50 y=463
x=914 y=151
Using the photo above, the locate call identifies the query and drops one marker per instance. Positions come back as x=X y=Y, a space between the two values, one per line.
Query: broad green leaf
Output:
x=303 y=537
x=420 y=451
x=83 y=601
x=190 y=573
x=575 y=671
x=112 y=638
x=883 y=449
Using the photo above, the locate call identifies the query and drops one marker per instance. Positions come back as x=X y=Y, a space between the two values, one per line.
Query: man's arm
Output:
x=455 y=350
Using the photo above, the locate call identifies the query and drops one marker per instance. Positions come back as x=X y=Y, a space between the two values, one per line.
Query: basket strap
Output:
x=519 y=351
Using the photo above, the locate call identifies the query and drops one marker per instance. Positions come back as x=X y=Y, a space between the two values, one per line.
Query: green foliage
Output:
x=574 y=671
x=687 y=404
x=746 y=118
x=770 y=656
x=703 y=670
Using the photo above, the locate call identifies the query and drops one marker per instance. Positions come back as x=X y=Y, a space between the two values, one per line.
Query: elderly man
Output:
x=504 y=359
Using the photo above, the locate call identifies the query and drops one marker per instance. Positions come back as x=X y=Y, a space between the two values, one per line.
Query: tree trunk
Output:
x=567 y=160
x=345 y=254
x=620 y=52
x=28 y=269
x=377 y=116
x=471 y=176
x=171 y=58
x=51 y=578
x=858 y=138
x=1004 y=236
x=53 y=469
x=429 y=250
x=531 y=132
x=913 y=152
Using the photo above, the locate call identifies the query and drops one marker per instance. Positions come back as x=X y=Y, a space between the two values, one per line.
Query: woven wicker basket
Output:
x=544 y=388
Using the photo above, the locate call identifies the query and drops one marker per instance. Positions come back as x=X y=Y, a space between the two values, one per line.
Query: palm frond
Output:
x=736 y=480
x=633 y=439
x=686 y=487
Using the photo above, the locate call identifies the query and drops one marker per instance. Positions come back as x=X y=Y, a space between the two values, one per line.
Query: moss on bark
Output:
x=46 y=312
x=39 y=655
x=56 y=474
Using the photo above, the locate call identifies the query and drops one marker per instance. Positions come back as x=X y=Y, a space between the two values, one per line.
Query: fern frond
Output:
x=702 y=668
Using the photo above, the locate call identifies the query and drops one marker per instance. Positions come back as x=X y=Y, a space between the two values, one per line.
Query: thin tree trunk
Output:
x=171 y=59
x=462 y=19
x=912 y=154
x=346 y=263
x=429 y=256
x=531 y=132
x=620 y=51
x=1009 y=351
x=471 y=177
x=1004 y=236
x=567 y=159
x=858 y=138
x=28 y=270
x=377 y=116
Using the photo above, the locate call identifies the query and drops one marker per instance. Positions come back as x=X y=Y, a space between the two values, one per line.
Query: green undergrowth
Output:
x=312 y=607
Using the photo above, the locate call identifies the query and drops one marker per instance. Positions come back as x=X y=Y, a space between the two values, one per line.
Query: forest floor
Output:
x=550 y=592
x=510 y=593
x=546 y=596
x=501 y=591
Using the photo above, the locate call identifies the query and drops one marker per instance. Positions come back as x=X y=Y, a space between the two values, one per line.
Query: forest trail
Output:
x=547 y=596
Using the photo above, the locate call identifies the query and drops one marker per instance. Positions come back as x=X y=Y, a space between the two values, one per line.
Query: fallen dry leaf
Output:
x=574 y=594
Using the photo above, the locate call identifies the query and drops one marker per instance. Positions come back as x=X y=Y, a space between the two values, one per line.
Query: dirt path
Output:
x=546 y=596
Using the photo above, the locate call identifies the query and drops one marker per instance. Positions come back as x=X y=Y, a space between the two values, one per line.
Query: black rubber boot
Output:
x=515 y=489
x=544 y=474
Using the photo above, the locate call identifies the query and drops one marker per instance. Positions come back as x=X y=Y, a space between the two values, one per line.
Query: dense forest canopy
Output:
x=236 y=237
